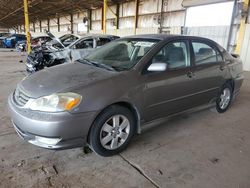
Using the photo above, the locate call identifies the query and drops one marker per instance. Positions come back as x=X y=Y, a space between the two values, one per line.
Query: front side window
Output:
x=87 y=43
x=122 y=54
x=174 y=54
x=102 y=41
x=204 y=53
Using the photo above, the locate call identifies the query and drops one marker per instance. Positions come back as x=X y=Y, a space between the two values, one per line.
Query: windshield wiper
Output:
x=100 y=65
x=119 y=68
x=86 y=61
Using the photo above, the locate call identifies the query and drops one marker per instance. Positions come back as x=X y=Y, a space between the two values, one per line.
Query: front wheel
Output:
x=112 y=131
x=224 y=99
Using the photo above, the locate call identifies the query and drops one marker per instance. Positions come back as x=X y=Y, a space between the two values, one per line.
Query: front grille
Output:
x=20 y=97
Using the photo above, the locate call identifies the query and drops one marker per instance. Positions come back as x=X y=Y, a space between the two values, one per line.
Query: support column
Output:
x=58 y=24
x=34 y=27
x=71 y=24
x=48 y=23
x=40 y=26
x=242 y=29
x=89 y=15
x=104 y=16
x=117 y=15
x=27 y=24
x=136 y=14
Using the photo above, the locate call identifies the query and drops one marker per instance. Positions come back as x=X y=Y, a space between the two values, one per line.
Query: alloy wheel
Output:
x=225 y=98
x=114 y=132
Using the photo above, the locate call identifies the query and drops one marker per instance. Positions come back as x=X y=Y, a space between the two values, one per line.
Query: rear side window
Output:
x=174 y=54
x=205 y=53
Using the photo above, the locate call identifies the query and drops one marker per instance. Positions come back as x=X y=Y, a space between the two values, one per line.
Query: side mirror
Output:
x=157 y=67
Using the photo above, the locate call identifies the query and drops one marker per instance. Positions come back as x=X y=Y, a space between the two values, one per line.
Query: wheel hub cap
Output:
x=114 y=132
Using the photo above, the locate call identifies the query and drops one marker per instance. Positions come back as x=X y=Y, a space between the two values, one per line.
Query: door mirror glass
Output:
x=157 y=67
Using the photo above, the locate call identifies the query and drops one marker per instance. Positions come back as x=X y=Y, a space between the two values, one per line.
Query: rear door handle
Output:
x=190 y=74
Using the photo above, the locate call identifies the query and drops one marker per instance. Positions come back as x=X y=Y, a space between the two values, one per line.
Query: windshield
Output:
x=122 y=54
x=68 y=39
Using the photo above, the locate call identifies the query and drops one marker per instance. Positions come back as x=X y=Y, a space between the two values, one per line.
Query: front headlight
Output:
x=57 y=102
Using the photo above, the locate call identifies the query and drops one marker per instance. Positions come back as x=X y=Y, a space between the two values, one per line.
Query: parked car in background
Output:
x=62 y=41
x=54 y=54
x=10 y=41
x=2 y=34
x=107 y=97
x=68 y=39
x=36 y=41
x=21 y=46
x=2 y=37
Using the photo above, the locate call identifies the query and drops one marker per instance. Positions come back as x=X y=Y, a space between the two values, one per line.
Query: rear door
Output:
x=170 y=91
x=207 y=70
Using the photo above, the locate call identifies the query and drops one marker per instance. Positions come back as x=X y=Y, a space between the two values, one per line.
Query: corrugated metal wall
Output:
x=245 y=49
x=216 y=33
x=2 y=30
x=149 y=15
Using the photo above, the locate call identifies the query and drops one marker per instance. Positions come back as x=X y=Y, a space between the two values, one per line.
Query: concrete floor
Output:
x=204 y=149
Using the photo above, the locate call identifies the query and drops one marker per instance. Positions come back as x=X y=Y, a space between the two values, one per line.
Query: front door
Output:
x=170 y=91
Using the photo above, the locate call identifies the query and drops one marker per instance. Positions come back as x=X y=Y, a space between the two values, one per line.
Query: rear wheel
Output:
x=224 y=99
x=112 y=131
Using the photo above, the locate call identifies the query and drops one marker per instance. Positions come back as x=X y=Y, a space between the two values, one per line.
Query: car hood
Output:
x=63 y=78
x=48 y=48
x=55 y=39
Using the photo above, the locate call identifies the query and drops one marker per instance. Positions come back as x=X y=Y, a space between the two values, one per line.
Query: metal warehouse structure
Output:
x=122 y=17
x=85 y=104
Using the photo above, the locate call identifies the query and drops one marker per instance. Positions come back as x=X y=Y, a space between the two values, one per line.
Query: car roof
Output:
x=92 y=35
x=42 y=36
x=166 y=37
x=97 y=35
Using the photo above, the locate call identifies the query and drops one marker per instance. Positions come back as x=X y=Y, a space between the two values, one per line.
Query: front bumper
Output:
x=30 y=65
x=72 y=129
x=30 y=68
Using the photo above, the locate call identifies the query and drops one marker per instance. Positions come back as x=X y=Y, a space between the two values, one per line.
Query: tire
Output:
x=112 y=131
x=225 y=94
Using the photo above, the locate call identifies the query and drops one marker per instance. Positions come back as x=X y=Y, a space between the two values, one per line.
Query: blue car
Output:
x=10 y=42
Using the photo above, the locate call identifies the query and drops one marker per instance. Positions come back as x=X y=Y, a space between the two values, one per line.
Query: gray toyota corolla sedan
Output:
x=108 y=97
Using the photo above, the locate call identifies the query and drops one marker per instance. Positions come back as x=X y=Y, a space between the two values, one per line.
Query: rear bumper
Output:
x=72 y=129
x=237 y=84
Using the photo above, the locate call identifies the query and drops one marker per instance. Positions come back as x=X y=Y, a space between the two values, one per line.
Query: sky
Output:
x=210 y=15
